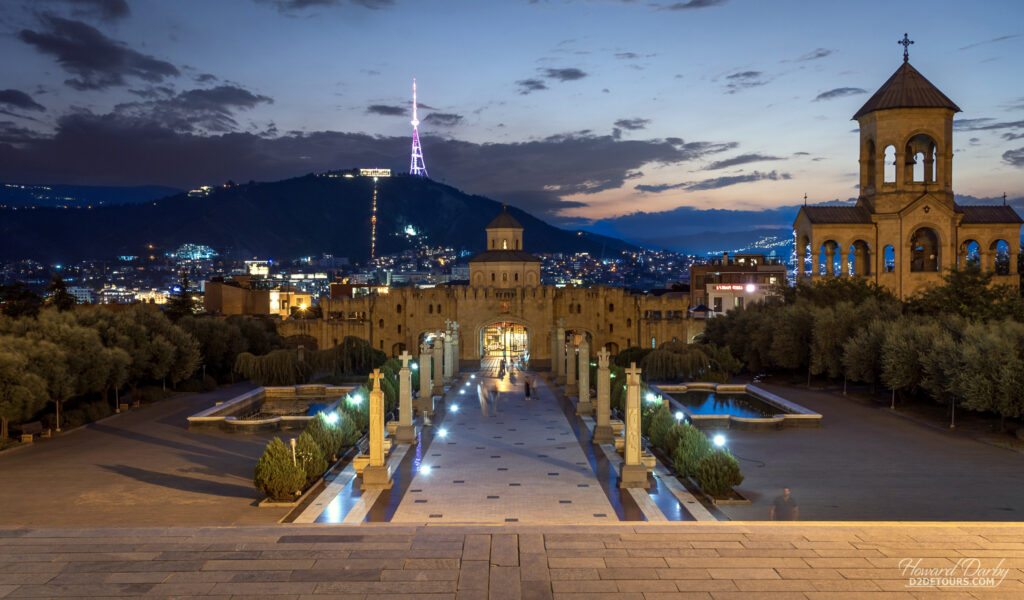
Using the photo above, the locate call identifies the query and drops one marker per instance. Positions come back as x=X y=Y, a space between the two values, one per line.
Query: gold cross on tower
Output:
x=905 y=42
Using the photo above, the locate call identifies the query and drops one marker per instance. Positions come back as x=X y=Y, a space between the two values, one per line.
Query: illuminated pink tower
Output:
x=416 y=165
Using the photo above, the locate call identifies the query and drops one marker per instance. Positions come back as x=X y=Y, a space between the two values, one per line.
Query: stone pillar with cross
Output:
x=377 y=474
x=438 y=366
x=448 y=351
x=633 y=473
x=559 y=356
x=603 y=433
x=583 y=405
x=570 y=366
x=406 y=432
x=456 y=360
x=425 y=402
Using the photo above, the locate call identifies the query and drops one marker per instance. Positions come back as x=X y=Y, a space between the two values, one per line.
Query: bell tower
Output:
x=906 y=141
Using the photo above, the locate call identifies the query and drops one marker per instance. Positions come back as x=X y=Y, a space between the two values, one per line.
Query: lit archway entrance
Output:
x=506 y=340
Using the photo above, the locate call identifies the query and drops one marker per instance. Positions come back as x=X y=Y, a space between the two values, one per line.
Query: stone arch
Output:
x=860 y=256
x=889 y=258
x=870 y=167
x=612 y=347
x=925 y=250
x=479 y=328
x=969 y=254
x=829 y=258
x=999 y=251
x=397 y=349
x=889 y=164
x=919 y=158
x=804 y=252
x=531 y=278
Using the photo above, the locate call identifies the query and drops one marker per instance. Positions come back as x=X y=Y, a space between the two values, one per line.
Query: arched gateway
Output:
x=504 y=339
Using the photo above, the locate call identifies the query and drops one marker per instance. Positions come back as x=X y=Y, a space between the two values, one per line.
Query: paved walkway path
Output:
x=643 y=561
x=504 y=459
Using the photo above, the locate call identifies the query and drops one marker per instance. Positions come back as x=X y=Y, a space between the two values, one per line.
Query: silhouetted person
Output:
x=526 y=384
x=784 y=508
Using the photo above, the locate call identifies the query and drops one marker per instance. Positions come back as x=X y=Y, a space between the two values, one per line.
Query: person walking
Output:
x=784 y=508
x=526 y=386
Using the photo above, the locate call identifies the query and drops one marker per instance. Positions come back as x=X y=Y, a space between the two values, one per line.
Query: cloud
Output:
x=210 y=109
x=743 y=80
x=742 y=159
x=686 y=220
x=206 y=77
x=132 y=148
x=1014 y=157
x=96 y=61
x=839 y=93
x=107 y=10
x=627 y=55
x=297 y=5
x=713 y=184
x=812 y=55
x=693 y=4
x=985 y=124
x=440 y=119
x=19 y=99
x=1012 y=136
x=13 y=134
x=991 y=41
x=565 y=74
x=632 y=124
x=388 y=110
x=527 y=86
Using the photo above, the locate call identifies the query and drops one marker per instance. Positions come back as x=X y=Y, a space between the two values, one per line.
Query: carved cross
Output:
x=602 y=357
x=633 y=374
x=405 y=357
x=905 y=42
x=425 y=347
x=376 y=376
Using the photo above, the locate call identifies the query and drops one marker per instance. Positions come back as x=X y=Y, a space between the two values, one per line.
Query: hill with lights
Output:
x=303 y=216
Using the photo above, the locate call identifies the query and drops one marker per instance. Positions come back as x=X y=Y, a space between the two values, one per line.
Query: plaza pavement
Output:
x=141 y=467
x=642 y=561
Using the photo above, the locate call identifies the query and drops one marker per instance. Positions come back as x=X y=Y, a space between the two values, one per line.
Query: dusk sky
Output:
x=573 y=110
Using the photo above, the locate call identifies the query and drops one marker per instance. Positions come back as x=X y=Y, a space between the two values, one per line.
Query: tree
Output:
x=22 y=393
x=59 y=295
x=969 y=293
x=182 y=303
x=793 y=330
x=862 y=353
x=18 y=300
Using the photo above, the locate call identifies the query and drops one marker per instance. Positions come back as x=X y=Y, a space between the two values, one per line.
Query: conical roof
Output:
x=907 y=88
x=504 y=221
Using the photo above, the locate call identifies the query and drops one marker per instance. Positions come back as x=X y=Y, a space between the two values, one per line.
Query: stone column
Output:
x=830 y=258
x=425 y=403
x=448 y=352
x=815 y=265
x=603 y=430
x=376 y=475
x=570 y=367
x=633 y=473
x=559 y=356
x=583 y=405
x=844 y=263
x=406 y=433
x=438 y=367
x=456 y=357
x=801 y=264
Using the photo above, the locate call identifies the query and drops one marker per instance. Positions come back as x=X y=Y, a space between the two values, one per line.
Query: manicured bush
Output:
x=329 y=437
x=310 y=458
x=660 y=422
x=672 y=438
x=718 y=472
x=693 y=446
x=358 y=412
x=276 y=475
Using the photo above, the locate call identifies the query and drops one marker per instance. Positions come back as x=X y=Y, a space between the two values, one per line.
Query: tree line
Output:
x=960 y=344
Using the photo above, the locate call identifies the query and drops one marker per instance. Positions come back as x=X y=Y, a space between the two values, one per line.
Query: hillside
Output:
x=286 y=219
x=21 y=194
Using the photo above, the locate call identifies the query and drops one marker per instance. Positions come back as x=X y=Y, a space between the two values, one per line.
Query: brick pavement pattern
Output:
x=648 y=561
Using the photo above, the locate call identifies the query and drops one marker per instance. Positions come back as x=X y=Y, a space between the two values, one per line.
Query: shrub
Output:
x=327 y=436
x=718 y=472
x=660 y=424
x=693 y=446
x=276 y=475
x=310 y=458
x=672 y=438
x=358 y=413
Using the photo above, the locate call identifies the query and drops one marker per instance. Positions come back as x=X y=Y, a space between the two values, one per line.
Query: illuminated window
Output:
x=504 y=244
x=504 y=276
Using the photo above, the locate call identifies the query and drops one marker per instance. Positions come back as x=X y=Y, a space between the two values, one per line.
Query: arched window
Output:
x=860 y=252
x=504 y=276
x=920 y=158
x=890 y=164
x=924 y=250
x=890 y=258
x=430 y=309
x=654 y=342
x=494 y=244
x=381 y=324
x=504 y=244
x=517 y=244
x=399 y=328
x=579 y=309
x=398 y=308
x=970 y=254
x=611 y=328
x=493 y=276
x=1000 y=253
x=438 y=309
x=517 y=276
x=870 y=156
x=611 y=307
x=572 y=308
x=629 y=323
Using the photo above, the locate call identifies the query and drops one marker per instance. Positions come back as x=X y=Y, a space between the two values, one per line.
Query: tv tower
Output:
x=416 y=165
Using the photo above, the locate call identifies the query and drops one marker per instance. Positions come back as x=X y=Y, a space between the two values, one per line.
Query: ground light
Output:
x=679 y=415
x=719 y=440
x=356 y=399
x=462 y=391
x=425 y=469
x=331 y=418
x=415 y=366
x=442 y=432
x=455 y=408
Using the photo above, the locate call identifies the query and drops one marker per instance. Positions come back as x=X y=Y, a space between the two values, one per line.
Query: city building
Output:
x=906 y=230
x=503 y=309
x=247 y=295
x=725 y=283
x=83 y=295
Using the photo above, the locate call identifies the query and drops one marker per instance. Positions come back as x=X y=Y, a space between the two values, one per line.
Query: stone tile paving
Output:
x=637 y=560
x=510 y=460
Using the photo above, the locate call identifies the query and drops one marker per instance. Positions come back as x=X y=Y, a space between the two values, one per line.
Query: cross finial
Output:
x=1004 y=198
x=633 y=374
x=602 y=357
x=805 y=198
x=405 y=358
x=906 y=42
x=376 y=376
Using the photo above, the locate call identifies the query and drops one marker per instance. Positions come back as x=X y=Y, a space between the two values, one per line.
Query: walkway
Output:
x=504 y=459
x=642 y=561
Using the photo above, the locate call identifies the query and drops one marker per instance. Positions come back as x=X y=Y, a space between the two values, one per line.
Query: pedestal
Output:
x=603 y=434
x=405 y=434
x=376 y=478
x=633 y=476
x=584 y=408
